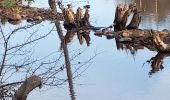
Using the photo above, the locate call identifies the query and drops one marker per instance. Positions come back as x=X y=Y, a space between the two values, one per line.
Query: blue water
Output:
x=114 y=74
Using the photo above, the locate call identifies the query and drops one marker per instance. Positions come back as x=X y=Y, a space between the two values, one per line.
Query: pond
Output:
x=112 y=74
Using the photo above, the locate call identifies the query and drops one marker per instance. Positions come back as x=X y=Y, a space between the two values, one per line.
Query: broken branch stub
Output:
x=29 y=84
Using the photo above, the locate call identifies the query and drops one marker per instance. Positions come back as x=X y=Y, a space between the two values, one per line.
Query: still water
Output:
x=113 y=74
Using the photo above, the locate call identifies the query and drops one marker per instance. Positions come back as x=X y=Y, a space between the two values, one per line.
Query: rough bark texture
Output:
x=78 y=20
x=121 y=16
x=29 y=84
x=159 y=39
x=134 y=24
x=79 y=17
x=69 y=18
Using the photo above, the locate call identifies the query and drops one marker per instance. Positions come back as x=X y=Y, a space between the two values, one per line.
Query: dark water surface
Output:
x=114 y=74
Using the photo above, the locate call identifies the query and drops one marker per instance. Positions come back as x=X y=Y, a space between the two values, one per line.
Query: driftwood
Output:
x=29 y=84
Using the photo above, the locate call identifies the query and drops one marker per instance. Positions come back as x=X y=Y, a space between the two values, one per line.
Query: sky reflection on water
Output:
x=115 y=74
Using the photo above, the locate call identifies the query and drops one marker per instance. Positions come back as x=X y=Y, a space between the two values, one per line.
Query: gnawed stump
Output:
x=78 y=21
x=123 y=11
x=79 y=17
x=69 y=18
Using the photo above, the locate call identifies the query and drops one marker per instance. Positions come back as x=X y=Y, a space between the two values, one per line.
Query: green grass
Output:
x=9 y=3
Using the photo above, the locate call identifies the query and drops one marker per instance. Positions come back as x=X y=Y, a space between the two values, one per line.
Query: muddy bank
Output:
x=30 y=14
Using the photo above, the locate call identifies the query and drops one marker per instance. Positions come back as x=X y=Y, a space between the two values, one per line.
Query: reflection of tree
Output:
x=18 y=62
x=20 y=67
x=81 y=35
x=67 y=61
x=137 y=44
x=160 y=8
x=157 y=62
x=68 y=23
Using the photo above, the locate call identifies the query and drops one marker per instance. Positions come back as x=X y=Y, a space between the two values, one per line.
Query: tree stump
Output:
x=123 y=11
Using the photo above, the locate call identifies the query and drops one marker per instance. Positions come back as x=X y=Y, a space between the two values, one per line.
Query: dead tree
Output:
x=52 y=4
x=121 y=15
x=65 y=49
x=21 y=62
x=86 y=17
x=160 y=44
x=79 y=17
x=77 y=21
x=29 y=84
x=134 y=24
x=69 y=18
x=69 y=36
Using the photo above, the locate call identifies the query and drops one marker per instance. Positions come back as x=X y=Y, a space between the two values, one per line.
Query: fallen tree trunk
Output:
x=158 y=39
x=135 y=33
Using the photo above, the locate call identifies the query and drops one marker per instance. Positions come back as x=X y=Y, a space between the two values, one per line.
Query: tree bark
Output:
x=121 y=16
x=29 y=84
x=67 y=58
x=52 y=4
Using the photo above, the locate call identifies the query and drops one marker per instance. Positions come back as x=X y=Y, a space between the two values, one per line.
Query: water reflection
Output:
x=155 y=11
x=156 y=62
x=82 y=35
x=119 y=82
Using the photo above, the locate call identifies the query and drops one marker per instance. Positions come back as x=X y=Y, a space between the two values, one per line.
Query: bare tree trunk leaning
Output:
x=66 y=56
x=29 y=84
